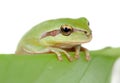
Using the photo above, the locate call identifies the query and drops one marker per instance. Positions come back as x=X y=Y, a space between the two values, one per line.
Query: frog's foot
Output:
x=88 y=57
x=77 y=56
x=87 y=54
x=57 y=52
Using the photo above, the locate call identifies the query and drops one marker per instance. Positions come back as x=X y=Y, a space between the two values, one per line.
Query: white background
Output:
x=18 y=16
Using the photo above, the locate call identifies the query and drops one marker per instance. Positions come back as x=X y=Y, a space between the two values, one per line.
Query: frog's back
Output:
x=45 y=26
x=31 y=38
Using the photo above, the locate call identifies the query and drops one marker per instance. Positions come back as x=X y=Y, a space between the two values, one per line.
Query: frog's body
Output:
x=49 y=37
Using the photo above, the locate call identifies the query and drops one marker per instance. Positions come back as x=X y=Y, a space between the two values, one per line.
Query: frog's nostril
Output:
x=85 y=32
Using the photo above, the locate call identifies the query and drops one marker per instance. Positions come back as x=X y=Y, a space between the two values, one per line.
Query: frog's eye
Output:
x=66 y=30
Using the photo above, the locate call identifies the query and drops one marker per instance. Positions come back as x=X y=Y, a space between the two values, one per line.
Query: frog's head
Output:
x=72 y=31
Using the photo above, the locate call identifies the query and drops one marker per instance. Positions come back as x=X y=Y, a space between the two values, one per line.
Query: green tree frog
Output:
x=57 y=36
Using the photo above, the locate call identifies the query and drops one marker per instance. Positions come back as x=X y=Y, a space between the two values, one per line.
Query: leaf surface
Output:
x=45 y=68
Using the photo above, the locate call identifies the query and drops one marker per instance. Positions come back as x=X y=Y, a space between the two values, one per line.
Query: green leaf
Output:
x=45 y=68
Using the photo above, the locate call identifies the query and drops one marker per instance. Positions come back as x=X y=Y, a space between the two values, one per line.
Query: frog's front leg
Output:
x=85 y=50
x=77 y=51
x=87 y=54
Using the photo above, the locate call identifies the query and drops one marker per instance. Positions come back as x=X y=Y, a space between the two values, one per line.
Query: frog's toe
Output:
x=77 y=56
x=70 y=59
x=87 y=57
x=59 y=58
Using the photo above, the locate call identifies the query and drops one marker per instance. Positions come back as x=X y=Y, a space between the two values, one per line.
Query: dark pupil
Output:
x=66 y=29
